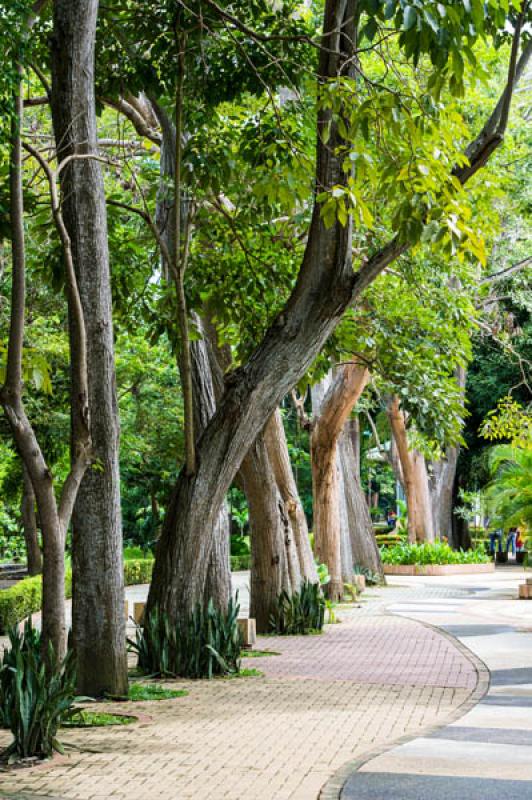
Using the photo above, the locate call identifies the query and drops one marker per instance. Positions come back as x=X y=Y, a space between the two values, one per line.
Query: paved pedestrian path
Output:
x=486 y=754
x=323 y=701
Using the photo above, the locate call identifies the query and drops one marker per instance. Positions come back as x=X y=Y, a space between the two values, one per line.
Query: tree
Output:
x=325 y=286
x=54 y=516
x=98 y=589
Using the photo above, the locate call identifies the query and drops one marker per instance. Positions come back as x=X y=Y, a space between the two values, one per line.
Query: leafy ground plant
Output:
x=139 y=692
x=205 y=644
x=36 y=695
x=301 y=612
x=259 y=653
x=435 y=553
x=83 y=718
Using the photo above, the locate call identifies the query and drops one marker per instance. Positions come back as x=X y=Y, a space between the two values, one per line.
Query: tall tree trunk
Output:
x=443 y=479
x=272 y=564
x=364 y=549
x=277 y=447
x=325 y=287
x=53 y=602
x=441 y=490
x=29 y=524
x=98 y=582
x=415 y=478
x=206 y=376
x=332 y=403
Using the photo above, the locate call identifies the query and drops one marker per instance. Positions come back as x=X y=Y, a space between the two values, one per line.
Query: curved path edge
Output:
x=332 y=789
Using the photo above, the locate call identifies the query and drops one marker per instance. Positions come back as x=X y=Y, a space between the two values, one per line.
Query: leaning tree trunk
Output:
x=364 y=548
x=325 y=287
x=29 y=524
x=332 y=404
x=98 y=580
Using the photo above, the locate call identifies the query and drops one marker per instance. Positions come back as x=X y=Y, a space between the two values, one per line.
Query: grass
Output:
x=258 y=653
x=249 y=672
x=97 y=719
x=152 y=691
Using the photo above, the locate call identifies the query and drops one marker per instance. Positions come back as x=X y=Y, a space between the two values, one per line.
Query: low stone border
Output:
x=438 y=569
x=332 y=790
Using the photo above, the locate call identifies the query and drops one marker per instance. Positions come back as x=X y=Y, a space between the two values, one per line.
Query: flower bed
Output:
x=437 y=569
x=433 y=559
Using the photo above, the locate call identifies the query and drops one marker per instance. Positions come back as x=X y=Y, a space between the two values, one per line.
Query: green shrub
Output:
x=240 y=545
x=240 y=563
x=205 y=644
x=138 y=571
x=20 y=601
x=135 y=553
x=35 y=697
x=436 y=553
x=25 y=598
x=301 y=612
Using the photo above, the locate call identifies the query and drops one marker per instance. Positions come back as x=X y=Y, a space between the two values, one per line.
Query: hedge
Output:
x=25 y=597
x=239 y=563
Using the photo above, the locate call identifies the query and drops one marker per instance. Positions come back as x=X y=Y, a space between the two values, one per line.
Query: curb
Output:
x=332 y=789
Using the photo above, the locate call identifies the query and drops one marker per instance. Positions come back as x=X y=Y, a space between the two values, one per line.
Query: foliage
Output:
x=136 y=553
x=508 y=421
x=82 y=718
x=372 y=578
x=138 y=571
x=206 y=643
x=259 y=653
x=436 y=553
x=510 y=492
x=240 y=563
x=301 y=612
x=25 y=597
x=240 y=545
x=145 y=692
x=36 y=694
x=20 y=601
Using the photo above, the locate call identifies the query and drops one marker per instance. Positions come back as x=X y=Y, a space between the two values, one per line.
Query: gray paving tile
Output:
x=459 y=733
x=507 y=700
x=388 y=786
x=511 y=677
x=477 y=630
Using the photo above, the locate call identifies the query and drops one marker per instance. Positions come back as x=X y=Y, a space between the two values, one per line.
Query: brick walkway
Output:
x=323 y=701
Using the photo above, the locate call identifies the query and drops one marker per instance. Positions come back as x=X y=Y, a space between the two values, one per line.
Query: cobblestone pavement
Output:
x=322 y=702
x=486 y=754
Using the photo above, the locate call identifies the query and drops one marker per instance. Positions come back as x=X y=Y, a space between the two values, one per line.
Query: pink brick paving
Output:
x=323 y=702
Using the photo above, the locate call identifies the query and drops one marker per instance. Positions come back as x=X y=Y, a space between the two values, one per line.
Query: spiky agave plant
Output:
x=301 y=612
x=206 y=643
x=36 y=694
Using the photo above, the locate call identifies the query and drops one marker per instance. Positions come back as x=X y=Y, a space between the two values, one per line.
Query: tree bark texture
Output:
x=29 y=524
x=98 y=588
x=204 y=369
x=53 y=600
x=364 y=548
x=277 y=447
x=325 y=287
x=415 y=478
x=272 y=549
x=443 y=479
x=332 y=402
